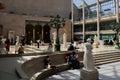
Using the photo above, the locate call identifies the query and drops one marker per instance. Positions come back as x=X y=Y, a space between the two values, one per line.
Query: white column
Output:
x=98 y=19
x=83 y=10
x=117 y=10
x=72 y=24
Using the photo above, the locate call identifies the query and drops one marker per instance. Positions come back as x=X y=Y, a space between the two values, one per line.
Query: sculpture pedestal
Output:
x=89 y=74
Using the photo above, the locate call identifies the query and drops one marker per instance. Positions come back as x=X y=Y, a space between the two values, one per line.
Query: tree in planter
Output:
x=116 y=27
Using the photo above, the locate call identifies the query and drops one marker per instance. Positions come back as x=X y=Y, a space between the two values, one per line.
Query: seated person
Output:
x=74 y=60
x=50 y=48
x=71 y=47
x=47 y=61
x=21 y=50
x=68 y=60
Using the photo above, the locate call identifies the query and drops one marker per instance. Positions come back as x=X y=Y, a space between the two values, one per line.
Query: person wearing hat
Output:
x=88 y=57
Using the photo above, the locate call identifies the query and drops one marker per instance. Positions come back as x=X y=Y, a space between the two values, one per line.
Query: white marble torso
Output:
x=88 y=57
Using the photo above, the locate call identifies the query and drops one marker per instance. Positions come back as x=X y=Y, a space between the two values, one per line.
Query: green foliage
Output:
x=115 y=27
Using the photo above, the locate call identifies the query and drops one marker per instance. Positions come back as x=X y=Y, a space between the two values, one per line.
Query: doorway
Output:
x=28 y=33
x=46 y=34
x=37 y=32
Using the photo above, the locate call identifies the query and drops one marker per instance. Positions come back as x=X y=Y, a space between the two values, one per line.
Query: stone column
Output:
x=83 y=16
x=98 y=19
x=117 y=10
x=72 y=24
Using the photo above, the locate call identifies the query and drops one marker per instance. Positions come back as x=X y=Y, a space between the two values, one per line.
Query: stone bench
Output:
x=20 y=73
x=45 y=73
x=48 y=72
x=36 y=65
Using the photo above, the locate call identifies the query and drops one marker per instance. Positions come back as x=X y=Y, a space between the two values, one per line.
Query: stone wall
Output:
x=16 y=23
x=38 y=7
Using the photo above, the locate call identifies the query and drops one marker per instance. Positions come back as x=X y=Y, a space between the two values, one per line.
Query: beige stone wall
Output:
x=17 y=11
x=16 y=22
x=13 y=22
x=38 y=7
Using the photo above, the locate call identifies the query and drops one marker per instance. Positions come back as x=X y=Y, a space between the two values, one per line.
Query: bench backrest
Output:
x=35 y=65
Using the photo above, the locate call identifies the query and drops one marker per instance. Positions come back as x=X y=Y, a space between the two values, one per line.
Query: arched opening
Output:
x=37 y=32
x=1 y=29
x=46 y=34
x=29 y=33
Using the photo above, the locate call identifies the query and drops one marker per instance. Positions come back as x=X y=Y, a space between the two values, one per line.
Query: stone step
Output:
x=106 y=58
x=106 y=62
x=106 y=54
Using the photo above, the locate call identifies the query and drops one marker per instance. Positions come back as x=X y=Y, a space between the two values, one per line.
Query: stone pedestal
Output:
x=89 y=74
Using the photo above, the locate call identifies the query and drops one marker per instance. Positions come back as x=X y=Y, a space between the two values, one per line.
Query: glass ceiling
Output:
x=78 y=3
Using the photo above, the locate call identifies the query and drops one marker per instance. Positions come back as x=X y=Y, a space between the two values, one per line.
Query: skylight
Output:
x=78 y=3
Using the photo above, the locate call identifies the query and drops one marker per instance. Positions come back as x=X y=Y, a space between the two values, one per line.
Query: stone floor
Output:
x=34 y=49
x=8 y=64
x=106 y=72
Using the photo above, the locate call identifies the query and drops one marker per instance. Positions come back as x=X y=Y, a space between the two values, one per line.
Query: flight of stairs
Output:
x=105 y=58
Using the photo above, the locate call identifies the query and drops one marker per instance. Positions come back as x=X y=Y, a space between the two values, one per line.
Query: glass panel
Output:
x=91 y=27
x=89 y=2
x=78 y=3
x=105 y=25
x=78 y=28
x=119 y=6
x=78 y=37
x=107 y=8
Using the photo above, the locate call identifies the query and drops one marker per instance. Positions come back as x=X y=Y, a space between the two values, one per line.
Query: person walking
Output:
x=7 y=45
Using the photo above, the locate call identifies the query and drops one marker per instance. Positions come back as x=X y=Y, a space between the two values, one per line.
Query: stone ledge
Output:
x=36 y=64
x=21 y=74
x=45 y=73
x=48 y=72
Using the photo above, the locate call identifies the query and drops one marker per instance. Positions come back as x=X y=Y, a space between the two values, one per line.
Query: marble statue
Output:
x=64 y=40
x=2 y=47
x=96 y=41
x=54 y=37
x=88 y=60
x=17 y=44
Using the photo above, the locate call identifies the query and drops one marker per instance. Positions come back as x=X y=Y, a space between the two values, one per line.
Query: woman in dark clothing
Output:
x=71 y=47
x=47 y=61
x=7 y=45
